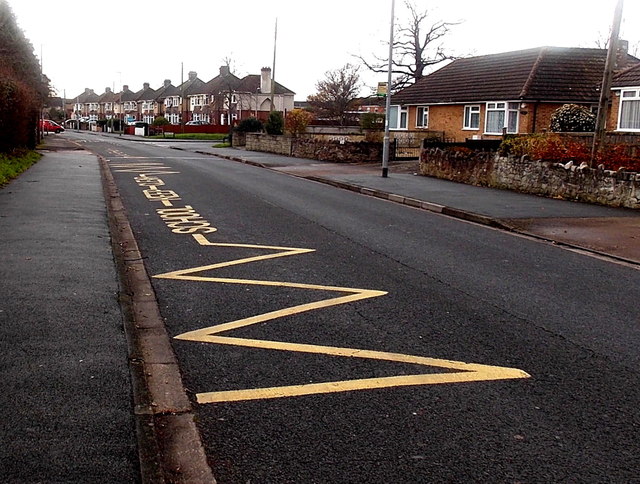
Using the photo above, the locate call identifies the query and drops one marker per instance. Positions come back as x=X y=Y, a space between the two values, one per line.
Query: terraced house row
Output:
x=223 y=100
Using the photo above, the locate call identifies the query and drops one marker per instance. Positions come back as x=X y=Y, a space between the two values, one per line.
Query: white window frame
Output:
x=398 y=118
x=508 y=108
x=422 y=117
x=629 y=96
x=469 y=110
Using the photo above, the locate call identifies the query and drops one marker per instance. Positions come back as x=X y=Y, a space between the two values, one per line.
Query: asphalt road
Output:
x=455 y=292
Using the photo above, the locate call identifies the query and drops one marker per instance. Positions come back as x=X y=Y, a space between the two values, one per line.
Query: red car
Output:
x=50 y=126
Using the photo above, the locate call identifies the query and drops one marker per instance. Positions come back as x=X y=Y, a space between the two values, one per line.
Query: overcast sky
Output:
x=107 y=44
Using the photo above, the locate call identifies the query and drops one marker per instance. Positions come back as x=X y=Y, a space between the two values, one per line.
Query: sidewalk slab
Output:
x=66 y=396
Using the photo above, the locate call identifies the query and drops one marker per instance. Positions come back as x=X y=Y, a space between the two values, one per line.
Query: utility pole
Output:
x=605 y=91
x=385 y=144
x=273 y=71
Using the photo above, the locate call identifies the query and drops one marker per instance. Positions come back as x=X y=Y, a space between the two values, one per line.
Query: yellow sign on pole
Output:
x=382 y=89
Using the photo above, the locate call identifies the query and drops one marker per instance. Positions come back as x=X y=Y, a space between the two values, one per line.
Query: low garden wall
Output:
x=556 y=180
x=339 y=149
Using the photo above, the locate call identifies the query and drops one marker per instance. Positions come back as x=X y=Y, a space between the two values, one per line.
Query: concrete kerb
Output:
x=169 y=445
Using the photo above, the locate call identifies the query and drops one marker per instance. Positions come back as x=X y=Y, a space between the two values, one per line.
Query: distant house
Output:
x=223 y=99
x=108 y=104
x=147 y=107
x=626 y=104
x=128 y=104
x=168 y=100
x=254 y=96
x=193 y=92
x=512 y=92
x=86 y=106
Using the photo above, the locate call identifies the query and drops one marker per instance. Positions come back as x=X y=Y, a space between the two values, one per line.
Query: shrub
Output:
x=372 y=121
x=160 y=121
x=275 y=123
x=297 y=121
x=572 y=118
x=250 y=125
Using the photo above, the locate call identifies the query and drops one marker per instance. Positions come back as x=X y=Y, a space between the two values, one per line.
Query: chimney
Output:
x=107 y=89
x=622 y=54
x=224 y=70
x=167 y=82
x=125 y=87
x=192 y=75
x=265 y=80
x=145 y=86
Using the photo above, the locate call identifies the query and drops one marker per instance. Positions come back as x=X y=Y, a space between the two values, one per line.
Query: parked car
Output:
x=50 y=126
x=196 y=123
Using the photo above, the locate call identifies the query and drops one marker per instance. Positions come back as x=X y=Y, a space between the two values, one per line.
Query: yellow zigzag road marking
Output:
x=463 y=372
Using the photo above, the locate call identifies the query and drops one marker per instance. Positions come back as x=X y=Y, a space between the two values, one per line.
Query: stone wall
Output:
x=280 y=145
x=570 y=182
x=338 y=150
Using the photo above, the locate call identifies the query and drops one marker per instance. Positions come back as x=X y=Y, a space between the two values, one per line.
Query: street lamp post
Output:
x=385 y=145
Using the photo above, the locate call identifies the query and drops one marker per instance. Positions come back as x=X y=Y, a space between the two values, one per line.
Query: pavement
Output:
x=607 y=231
x=65 y=359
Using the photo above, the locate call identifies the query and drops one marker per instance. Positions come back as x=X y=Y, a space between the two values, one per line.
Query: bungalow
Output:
x=626 y=104
x=513 y=92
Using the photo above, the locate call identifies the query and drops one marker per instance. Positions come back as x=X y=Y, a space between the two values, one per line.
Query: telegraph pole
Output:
x=605 y=91
x=385 y=145
x=273 y=71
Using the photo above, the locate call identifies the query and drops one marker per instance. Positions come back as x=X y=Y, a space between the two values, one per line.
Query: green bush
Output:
x=572 y=118
x=250 y=125
x=372 y=121
x=160 y=121
x=275 y=123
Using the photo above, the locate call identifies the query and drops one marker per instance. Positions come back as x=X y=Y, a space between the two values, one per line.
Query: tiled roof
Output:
x=541 y=74
x=192 y=86
x=166 y=91
x=146 y=94
x=251 y=83
x=109 y=97
x=222 y=83
x=88 y=96
x=629 y=77
x=128 y=95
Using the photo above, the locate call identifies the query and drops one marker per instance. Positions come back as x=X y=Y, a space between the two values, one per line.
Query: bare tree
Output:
x=417 y=46
x=337 y=93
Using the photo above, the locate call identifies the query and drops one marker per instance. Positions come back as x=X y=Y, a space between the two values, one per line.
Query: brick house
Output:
x=482 y=97
x=147 y=106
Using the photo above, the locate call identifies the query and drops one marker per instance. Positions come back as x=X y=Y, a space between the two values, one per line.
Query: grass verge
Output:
x=14 y=163
x=197 y=136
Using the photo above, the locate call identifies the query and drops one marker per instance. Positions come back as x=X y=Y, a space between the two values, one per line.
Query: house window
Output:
x=422 y=117
x=398 y=117
x=472 y=117
x=629 y=116
x=501 y=115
